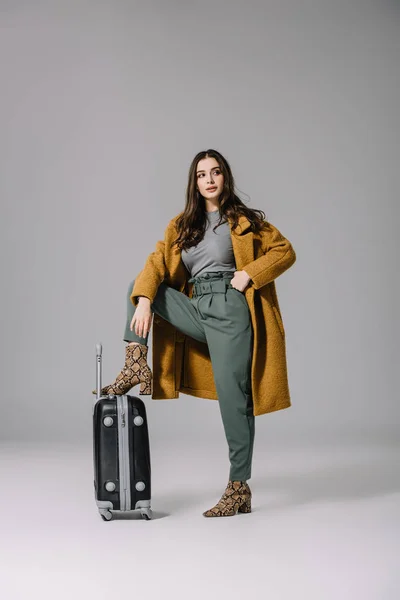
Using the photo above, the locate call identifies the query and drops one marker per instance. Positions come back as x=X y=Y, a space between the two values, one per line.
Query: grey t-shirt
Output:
x=214 y=252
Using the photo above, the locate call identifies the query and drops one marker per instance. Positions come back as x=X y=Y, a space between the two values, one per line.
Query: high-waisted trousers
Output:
x=217 y=315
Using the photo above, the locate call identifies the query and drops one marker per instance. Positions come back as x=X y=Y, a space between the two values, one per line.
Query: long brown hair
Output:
x=191 y=222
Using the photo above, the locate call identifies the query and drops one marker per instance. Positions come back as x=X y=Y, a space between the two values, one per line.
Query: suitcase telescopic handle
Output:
x=99 y=357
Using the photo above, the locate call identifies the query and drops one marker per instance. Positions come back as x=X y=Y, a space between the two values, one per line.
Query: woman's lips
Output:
x=211 y=189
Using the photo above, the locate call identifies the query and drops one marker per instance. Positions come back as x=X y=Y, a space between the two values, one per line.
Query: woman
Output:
x=211 y=313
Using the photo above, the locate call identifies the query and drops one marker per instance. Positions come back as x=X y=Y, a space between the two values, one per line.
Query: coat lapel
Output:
x=242 y=242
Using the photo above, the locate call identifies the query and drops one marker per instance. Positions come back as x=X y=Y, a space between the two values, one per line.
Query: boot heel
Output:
x=146 y=386
x=245 y=507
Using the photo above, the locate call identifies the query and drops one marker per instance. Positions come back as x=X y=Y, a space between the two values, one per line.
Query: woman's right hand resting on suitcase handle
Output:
x=142 y=318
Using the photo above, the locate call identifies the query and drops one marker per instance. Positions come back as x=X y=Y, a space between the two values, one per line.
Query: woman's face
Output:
x=209 y=175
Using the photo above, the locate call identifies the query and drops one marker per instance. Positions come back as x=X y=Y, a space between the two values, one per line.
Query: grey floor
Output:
x=325 y=525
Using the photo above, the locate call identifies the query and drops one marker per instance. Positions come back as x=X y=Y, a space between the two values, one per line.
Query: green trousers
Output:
x=217 y=315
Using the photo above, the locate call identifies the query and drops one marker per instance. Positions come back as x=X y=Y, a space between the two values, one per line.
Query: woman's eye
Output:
x=217 y=172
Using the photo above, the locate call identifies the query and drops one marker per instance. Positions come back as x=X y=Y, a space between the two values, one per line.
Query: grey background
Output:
x=103 y=106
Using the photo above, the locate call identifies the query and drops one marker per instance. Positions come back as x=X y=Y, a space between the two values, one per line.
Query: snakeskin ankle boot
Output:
x=236 y=498
x=136 y=370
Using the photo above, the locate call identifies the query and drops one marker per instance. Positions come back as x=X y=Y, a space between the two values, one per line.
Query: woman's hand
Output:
x=240 y=280
x=142 y=318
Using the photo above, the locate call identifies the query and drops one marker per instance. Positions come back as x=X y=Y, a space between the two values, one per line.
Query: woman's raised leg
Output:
x=171 y=305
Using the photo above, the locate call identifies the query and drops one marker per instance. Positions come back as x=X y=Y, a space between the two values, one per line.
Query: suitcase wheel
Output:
x=146 y=513
x=106 y=515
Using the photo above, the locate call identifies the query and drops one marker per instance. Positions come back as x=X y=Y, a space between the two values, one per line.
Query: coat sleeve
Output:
x=278 y=256
x=152 y=274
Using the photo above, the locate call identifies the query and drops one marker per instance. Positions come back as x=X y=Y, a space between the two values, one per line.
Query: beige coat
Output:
x=181 y=363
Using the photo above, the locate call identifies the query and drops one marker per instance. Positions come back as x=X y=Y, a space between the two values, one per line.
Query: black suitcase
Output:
x=121 y=452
